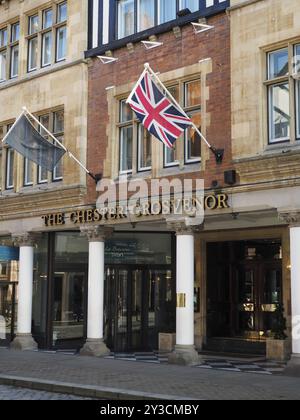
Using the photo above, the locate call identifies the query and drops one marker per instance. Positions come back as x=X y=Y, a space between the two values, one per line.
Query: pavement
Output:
x=9 y=393
x=134 y=380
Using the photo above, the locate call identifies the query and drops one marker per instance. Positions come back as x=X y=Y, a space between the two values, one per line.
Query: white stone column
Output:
x=295 y=289
x=95 y=345
x=23 y=339
x=185 y=351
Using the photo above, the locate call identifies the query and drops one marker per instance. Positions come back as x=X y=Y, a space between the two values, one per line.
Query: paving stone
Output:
x=9 y=393
x=151 y=378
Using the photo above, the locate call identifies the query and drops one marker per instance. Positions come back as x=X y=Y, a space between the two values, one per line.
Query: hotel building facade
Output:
x=113 y=284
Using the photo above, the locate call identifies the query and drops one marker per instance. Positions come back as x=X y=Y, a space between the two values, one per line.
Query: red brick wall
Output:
x=175 y=53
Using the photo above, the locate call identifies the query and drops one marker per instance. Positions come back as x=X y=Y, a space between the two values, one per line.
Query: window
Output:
x=193 y=5
x=9 y=178
x=61 y=43
x=126 y=18
x=126 y=138
x=192 y=105
x=166 y=10
x=3 y=54
x=47 y=36
x=146 y=14
x=61 y=32
x=14 y=51
x=58 y=131
x=33 y=42
x=279 y=96
x=190 y=94
x=297 y=89
x=144 y=149
x=138 y=15
x=42 y=174
x=53 y=122
x=28 y=172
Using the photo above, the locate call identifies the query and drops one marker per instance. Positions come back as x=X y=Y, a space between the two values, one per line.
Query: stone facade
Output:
x=61 y=85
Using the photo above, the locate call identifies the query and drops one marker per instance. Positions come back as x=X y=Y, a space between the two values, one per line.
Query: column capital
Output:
x=183 y=227
x=96 y=233
x=24 y=239
x=292 y=218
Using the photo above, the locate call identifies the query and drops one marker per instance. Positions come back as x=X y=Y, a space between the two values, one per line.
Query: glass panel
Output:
x=272 y=287
x=279 y=112
x=9 y=271
x=145 y=149
x=70 y=276
x=126 y=144
x=40 y=287
x=61 y=43
x=138 y=248
x=33 y=24
x=14 y=65
x=33 y=50
x=167 y=10
x=46 y=49
x=171 y=156
x=192 y=93
x=125 y=18
x=193 y=140
x=121 y=338
x=43 y=173
x=161 y=305
x=3 y=37
x=3 y=61
x=47 y=18
x=58 y=170
x=68 y=311
x=126 y=113
x=246 y=299
x=146 y=14
x=15 y=32
x=58 y=126
x=10 y=168
x=28 y=172
x=7 y=311
x=193 y=5
x=136 y=312
x=62 y=12
x=278 y=63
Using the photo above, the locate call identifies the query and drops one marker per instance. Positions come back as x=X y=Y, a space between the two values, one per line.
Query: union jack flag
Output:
x=157 y=113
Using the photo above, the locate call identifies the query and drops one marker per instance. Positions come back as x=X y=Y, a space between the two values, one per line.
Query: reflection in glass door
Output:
x=139 y=303
x=7 y=312
x=68 y=307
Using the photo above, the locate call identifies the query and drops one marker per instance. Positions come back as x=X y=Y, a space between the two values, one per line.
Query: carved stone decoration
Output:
x=182 y=227
x=24 y=239
x=96 y=233
x=290 y=218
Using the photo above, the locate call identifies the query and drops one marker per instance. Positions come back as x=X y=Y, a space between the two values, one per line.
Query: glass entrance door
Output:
x=69 y=308
x=139 y=303
x=7 y=312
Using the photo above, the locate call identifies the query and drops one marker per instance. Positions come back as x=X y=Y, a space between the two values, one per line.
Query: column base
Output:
x=185 y=356
x=94 y=348
x=23 y=342
x=293 y=366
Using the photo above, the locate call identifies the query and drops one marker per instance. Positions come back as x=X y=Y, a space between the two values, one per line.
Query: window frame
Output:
x=294 y=95
x=8 y=151
x=157 y=20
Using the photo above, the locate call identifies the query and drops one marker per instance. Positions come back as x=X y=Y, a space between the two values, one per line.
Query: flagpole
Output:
x=14 y=124
x=25 y=111
x=136 y=85
x=218 y=153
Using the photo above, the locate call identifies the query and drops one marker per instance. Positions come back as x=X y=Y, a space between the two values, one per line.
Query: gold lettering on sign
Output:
x=54 y=219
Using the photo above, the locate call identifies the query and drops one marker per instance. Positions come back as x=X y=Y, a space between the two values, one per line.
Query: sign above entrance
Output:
x=8 y=253
x=147 y=209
